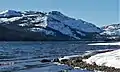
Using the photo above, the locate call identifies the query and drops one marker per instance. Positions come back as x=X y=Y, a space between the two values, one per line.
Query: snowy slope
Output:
x=74 y=23
x=10 y=13
x=111 y=31
x=52 y=23
x=110 y=59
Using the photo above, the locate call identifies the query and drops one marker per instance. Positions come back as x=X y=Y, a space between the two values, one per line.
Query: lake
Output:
x=26 y=56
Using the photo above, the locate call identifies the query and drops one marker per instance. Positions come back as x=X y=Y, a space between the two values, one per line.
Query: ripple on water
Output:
x=26 y=56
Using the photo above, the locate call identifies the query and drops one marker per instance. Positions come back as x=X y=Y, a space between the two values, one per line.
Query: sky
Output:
x=98 y=12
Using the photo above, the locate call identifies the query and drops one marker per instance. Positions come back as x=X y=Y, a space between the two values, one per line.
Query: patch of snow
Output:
x=42 y=30
x=68 y=57
x=31 y=15
x=57 y=63
x=109 y=28
x=36 y=29
x=92 y=52
x=45 y=23
x=76 y=67
x=114 y=43
x=80 y=33
x=9 y=19
x=40 y=21
x=110 y=59
x=23 y=24
x=113 y=32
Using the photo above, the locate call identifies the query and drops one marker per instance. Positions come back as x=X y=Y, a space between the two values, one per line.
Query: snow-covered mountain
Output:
x=36 y=25
x=111 y=31
x=10 y=13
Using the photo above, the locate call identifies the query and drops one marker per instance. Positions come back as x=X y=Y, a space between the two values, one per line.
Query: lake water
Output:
x=26 y=56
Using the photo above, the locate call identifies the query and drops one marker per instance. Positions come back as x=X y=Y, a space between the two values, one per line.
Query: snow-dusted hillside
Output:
x=46 y=25
x=111 y=31
x=10 y=13
x=110 y=59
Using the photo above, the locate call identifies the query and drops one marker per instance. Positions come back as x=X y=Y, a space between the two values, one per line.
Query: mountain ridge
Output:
x=48 y=25
x=111 y=32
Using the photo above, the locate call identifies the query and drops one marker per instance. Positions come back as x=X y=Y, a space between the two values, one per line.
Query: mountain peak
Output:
x=10 y=13
x=55 y=12
x=52 y=23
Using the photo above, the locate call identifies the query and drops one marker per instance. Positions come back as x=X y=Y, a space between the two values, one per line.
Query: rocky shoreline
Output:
x=77 y=62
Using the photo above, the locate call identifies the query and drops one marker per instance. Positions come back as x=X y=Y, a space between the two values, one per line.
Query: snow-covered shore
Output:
x=103 y=60
x=109 y=59
x=114 y=43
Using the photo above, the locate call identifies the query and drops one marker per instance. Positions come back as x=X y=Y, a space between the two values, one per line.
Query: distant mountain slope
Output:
x=36 y=25
x=111 y=31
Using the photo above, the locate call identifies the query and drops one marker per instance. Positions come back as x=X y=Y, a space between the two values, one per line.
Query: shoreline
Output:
x=78 y=62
